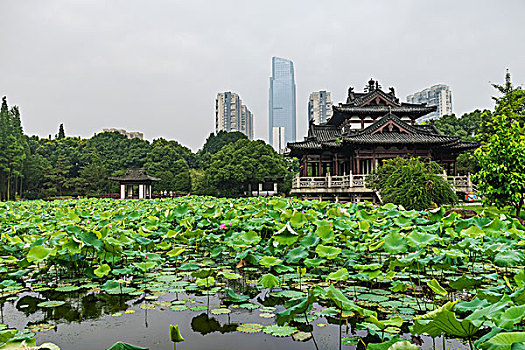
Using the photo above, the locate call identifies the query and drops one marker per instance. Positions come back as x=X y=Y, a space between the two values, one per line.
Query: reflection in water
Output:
x=78 y=306
x=205 y=324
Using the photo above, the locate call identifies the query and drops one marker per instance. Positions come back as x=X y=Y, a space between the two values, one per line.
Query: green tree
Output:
x=242 y=163
x=12 y=150
x=468 y=128
x=502 y=155
x=61 y=132
x=166 y=161
x=214 y=143
x=413 y=183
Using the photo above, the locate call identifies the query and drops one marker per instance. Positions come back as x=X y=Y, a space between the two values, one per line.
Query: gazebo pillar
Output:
x=122 y=191
x=141 y=191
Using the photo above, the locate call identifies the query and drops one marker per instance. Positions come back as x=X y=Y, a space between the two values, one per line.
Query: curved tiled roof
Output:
x=329 y=136
x=135 y=175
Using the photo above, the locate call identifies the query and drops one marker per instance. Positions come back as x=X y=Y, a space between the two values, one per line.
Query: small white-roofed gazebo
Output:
x=133 y=181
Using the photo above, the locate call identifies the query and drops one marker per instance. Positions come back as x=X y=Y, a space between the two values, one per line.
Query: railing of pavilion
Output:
x=460 y=183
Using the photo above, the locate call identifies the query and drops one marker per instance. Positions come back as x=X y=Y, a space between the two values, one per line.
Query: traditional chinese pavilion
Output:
x=362 y=134
x=135 y=183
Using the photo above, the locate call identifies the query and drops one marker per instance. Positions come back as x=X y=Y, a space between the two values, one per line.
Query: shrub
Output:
x=411 y=182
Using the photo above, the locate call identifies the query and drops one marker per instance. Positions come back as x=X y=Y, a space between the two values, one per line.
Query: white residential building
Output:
x=319 y=107
x=437 y=95
x=231 y=115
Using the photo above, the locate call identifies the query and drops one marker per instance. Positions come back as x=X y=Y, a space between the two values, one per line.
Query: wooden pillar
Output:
x=336 y=167
x=304 y=171
x=357 y=162
x=373 y=160
x=320 y=167
x=455 y=167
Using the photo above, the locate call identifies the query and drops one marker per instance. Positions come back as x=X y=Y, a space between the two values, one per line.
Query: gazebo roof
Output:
x=134 y=175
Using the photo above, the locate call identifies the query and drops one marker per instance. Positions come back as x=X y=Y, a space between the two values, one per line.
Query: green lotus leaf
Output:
x=350 y=340
x=504 y=341
x=67 y=289
x=393 y=321
x=339 y=275
x=51 y=303
x=465 y=282
x=309 y=241
x=205 y=282
x=372 y=297
x=220 y=311
x=469 y=306
x=436 y=287
x=403 y=345
x=234 y=297
x=314 y=262
x=279 y=331
x=230 y=276
x=250 y=237
x=189 y=267
x=175 y=252
x=420 y=239
x=326 y=233
x=145 y=266
x=269 y=281
x=286 y=235
x=102 y=270
x=328 y=252
x=298 y=219
x=125 y=346
x=343 y=303
x=295 y=255
x=493 y=310
x=269 y=261
x=508 y=258
x=395 y=243
x=39 y=253
x=384 y=345
x=444 y=321
x=7 y=334
x=519 y=278
x=90 y=239
x=472 y=231
x=511 y=316
x=250 y=327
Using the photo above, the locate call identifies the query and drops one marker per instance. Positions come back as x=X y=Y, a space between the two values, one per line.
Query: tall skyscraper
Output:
x=232 y=115
x=319 y=107
x=282 y=104
x=437 y=95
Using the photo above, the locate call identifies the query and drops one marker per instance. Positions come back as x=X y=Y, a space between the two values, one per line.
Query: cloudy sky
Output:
x=156 y=66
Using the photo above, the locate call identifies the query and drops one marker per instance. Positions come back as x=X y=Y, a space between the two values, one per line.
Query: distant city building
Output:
x=319 y=107
x=246 y=122
x=231 y=115
x=282 y=105
x=128 y=134
x=437 y=95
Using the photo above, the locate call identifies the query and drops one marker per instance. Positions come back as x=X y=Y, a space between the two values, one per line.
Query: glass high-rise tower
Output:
x=282 y=104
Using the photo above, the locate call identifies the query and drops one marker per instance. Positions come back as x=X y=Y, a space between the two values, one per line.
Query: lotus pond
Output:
x=257 y=274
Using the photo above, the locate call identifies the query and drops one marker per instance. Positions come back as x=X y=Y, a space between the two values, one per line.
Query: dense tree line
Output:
x=33 y=167
x=469 y=128
x=13 y=151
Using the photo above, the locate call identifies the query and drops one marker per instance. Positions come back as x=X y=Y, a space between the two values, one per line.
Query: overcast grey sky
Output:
x=156 y=66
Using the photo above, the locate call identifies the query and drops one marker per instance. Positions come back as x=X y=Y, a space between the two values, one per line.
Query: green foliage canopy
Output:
x=413 y=183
